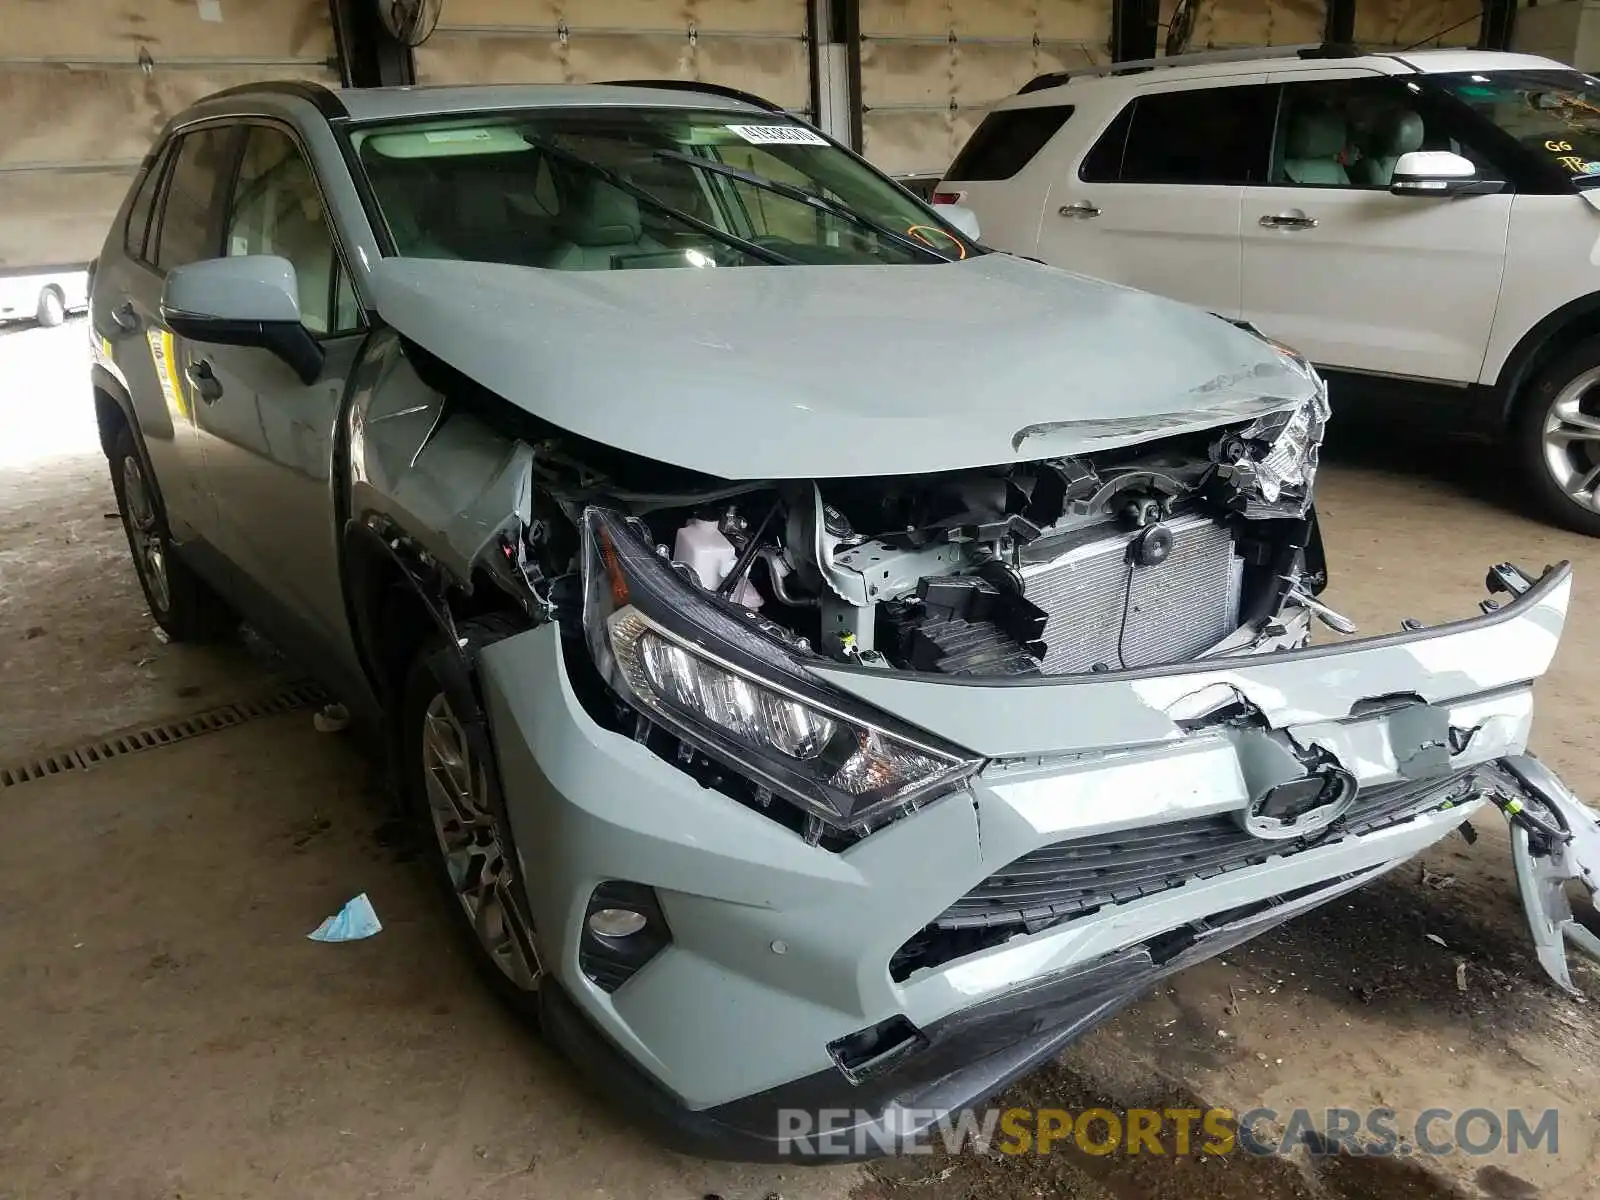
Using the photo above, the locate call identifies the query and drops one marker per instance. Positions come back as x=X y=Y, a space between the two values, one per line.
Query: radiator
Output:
x=1104 y=609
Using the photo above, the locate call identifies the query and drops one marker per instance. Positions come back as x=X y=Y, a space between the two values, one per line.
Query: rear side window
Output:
x=1006 y=141
x=1201 y=136
x=190 y=225
x=1103 y=163
x=138 y=227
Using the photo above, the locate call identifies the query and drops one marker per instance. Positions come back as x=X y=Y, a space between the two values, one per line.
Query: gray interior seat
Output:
x=1311 y=151
x=596 y=222
x=1398 y=133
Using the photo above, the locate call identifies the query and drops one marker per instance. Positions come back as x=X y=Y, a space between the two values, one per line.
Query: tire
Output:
x=52 y=308
x=182 y=603
x=473 y=860
x=1556 y=436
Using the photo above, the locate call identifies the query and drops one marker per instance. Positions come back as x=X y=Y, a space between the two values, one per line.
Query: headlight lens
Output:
x=695 y=667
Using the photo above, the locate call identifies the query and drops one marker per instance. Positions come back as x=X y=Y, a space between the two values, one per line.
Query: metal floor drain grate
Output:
x=149 y=737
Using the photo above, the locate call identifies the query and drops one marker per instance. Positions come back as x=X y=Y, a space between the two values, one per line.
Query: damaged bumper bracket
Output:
x=1561 y=843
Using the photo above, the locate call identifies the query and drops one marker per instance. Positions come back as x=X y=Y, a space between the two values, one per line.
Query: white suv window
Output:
x=1196 y=136
x=1350 y=133
x=1006 y=141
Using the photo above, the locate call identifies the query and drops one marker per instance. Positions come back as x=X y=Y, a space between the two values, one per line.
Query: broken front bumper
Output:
x=926 y=965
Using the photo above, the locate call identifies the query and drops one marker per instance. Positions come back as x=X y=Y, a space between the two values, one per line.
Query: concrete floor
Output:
x=166 y=1030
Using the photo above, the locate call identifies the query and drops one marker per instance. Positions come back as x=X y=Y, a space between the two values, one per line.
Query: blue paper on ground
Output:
x=356 y=920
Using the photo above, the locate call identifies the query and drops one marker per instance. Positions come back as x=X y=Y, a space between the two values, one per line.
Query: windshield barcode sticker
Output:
x=778 y=135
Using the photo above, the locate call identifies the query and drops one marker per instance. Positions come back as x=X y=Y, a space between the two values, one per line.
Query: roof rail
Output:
x=1244 y=54
x=710 y=89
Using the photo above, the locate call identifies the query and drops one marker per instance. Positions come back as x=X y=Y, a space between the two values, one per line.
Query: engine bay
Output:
x=1132 y=559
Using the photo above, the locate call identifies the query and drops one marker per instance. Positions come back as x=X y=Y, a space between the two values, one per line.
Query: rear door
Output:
x=268 y=438
x=1351 y=275
x=1155 y=202
x=173 y=221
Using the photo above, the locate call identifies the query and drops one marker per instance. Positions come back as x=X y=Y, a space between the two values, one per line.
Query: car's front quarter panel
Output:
x=1552 y=260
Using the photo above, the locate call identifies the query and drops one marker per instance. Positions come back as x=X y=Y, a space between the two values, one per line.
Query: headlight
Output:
x=725 y=688
x=1272 y=462
x=1291 y=439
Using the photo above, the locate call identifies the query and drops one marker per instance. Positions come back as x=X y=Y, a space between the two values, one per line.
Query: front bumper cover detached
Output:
x=780 y=952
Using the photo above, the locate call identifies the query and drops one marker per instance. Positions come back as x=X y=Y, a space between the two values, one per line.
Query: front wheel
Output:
x=451 y=790
x=1557 y=437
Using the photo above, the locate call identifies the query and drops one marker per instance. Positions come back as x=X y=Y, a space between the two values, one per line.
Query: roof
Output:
x=1283 y=60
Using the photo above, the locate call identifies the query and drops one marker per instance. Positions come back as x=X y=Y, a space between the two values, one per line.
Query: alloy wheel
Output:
x=1572 y=440
x=149 y=543
x=471 y=843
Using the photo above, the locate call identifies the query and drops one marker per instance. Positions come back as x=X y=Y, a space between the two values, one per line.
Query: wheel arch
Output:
x=113 y=410
x=1573 y=322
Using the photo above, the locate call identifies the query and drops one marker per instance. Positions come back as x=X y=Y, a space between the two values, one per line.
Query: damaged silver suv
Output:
x=832 y=665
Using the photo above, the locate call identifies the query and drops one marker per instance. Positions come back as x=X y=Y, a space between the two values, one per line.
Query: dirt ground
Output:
x=166 y=1030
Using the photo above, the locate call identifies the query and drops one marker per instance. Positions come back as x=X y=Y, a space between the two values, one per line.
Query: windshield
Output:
x=1555 y=114
x=617 y=189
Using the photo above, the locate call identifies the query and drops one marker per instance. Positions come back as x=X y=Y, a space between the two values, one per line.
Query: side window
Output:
x=1201 y=136
x=136 y=234
x=1006 y=141
x=1348 y=133
x=277 y=209
x=189 y=210
x=1103 y=163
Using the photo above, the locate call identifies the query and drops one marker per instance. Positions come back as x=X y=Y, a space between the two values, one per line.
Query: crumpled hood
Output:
x=832 y=371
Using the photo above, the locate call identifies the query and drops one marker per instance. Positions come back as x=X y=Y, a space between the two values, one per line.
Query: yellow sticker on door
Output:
x=165 y=358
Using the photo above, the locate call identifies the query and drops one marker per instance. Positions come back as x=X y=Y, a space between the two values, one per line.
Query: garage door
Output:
x=85 y=85
x=1226 y=24
x=1410 y=23
x=757 y=45
x=930 y=69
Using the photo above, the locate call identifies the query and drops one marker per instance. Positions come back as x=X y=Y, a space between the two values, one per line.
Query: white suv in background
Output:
x=1424 y=224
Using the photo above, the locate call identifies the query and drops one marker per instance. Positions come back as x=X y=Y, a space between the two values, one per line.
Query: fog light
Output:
x=616 y=922
x=623 y=929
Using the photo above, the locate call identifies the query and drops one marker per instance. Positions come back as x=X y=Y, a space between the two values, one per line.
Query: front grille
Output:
x=1104 y=609
x=1074 y=877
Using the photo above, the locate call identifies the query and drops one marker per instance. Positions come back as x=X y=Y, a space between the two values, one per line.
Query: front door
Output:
x=1155 y=203
x=1351 y=275
x=268 y=437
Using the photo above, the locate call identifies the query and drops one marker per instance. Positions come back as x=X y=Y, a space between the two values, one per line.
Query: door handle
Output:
x=1288 y=220
x=1081 y=209
x=125 y=318
x=204 y=381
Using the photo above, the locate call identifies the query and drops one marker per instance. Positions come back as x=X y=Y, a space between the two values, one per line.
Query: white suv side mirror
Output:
x=962 y=217
x=1439 y=173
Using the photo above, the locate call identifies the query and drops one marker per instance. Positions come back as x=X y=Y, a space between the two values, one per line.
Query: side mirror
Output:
x=252 y=300
x=1439 y=173
x=962 y=217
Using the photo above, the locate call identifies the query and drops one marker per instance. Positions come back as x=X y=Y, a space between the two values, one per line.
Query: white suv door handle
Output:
x=1293 y=219
x=1081 y=209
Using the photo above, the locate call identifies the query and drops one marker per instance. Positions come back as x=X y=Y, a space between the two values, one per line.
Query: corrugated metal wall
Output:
x=758 y=45
x=81 y=108
x=931 y=68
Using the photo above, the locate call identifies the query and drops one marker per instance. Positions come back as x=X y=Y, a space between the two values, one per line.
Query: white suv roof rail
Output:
x=1200 y=58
